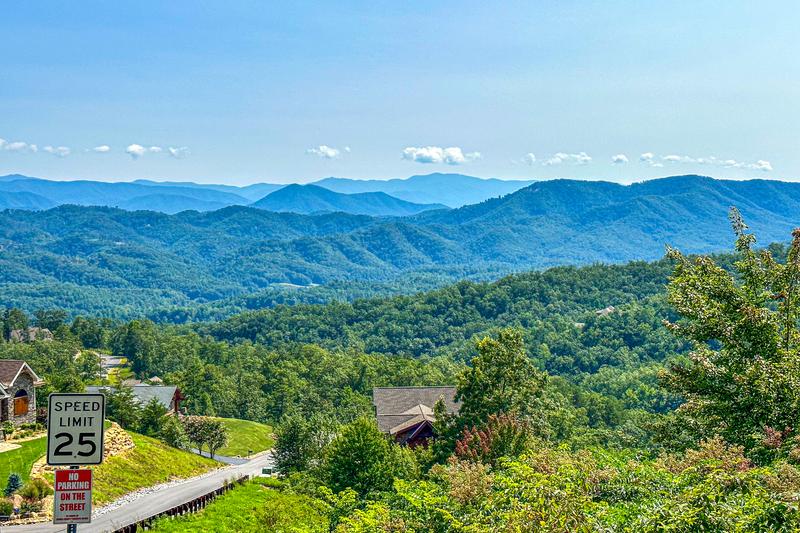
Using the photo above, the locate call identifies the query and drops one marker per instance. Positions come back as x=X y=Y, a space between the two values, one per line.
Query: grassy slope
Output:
x=244 y=435
x=252 y=507
x=21 y=459
x=151 y=462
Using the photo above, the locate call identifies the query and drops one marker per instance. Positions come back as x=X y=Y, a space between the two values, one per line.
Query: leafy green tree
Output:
x=51 y=319
x=293 y=445
x=363 y=459
x=14 y=318
x=500 y=379
x=122 y=407
x=216 y=435
x=151 y=418
x=173 y=433
x=194 y=428
x=742 y=378
x=137 y=341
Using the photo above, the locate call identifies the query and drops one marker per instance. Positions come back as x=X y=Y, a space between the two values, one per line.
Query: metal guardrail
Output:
x=192 y=506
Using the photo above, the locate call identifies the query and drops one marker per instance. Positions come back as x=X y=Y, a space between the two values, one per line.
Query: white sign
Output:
x=75 y=429
x=72 y=497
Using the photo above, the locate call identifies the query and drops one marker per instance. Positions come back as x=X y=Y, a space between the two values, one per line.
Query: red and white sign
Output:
x=72 y=497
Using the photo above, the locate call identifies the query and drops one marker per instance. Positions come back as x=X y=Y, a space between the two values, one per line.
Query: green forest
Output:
x=651 y=396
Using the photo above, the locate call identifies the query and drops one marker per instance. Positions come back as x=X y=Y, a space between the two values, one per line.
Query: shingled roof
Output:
x=11 y=368
x=144 y=393
x=396 y=407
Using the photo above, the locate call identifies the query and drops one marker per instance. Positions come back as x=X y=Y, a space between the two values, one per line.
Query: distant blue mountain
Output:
x=24 y=200
x=452 y=190
x=309 y=199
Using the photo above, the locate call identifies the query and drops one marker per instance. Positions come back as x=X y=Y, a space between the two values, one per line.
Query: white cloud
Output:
x=436 y=154
x=60 y=151
x=347 y=149
x=326 y=152
x=135 y=150
x=529 y=159
x=581 y=158
x=20 y=146
x=2 y=143
x=647 y=157
x=760 y=165
x=619 y=159
x=178 y=152
x=102 y=149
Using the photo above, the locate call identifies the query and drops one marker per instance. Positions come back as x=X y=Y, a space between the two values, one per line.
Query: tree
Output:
x=14 y=319
x=136 y=340
x=151 y=418
x=204 y=431
x=51 y=319
x=13 y=484
x=292 y=450
x=362 y=458
x=216 y=435
x=501 y=379
x=742 y=379
x=173 y=433
x=195 y=431
x=122 y=407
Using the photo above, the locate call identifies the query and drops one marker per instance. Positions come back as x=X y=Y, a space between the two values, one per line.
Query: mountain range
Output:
x=149 y=259
x=309 y=199
x=396 y=197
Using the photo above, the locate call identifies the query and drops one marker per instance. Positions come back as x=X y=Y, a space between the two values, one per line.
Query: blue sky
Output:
x=294 y=91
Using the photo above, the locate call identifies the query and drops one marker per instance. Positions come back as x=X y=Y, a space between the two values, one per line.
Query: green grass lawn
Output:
x=250 y=508
x=21 y=459
x=244 y=435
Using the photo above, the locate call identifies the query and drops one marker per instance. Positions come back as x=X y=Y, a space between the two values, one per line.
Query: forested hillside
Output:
x=604 y=396
x=114 y=262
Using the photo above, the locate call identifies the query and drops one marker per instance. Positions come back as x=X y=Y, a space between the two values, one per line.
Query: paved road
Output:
x=154 y=502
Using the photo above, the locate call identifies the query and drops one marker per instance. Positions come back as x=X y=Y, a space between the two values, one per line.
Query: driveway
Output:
x=132 y=508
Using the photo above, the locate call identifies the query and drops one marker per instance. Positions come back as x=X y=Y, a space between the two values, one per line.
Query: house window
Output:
x=21 y=403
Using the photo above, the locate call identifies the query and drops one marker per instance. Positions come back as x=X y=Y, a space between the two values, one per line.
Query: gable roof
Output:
x=10 y=369
x=144 y=393
x=397 y=408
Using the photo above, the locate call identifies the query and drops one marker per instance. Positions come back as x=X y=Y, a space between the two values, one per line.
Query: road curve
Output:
x=162 y=498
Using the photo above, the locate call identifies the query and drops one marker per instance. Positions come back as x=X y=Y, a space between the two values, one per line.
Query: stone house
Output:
x=406 y=413
x=30 y=334
x=18 y=384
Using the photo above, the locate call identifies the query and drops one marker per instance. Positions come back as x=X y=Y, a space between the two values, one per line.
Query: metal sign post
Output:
x=74 y=437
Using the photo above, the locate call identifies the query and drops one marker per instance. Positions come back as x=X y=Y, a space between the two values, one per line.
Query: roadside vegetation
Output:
x=257 y=506
x=150 y=462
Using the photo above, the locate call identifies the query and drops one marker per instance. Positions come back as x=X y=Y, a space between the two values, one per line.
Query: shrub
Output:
x=502 y=436
x=35 y=490
x=13 y=484
x=8 y=428
x=6 y=508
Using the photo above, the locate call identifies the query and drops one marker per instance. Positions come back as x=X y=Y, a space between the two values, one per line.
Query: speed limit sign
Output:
x=75 y=429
